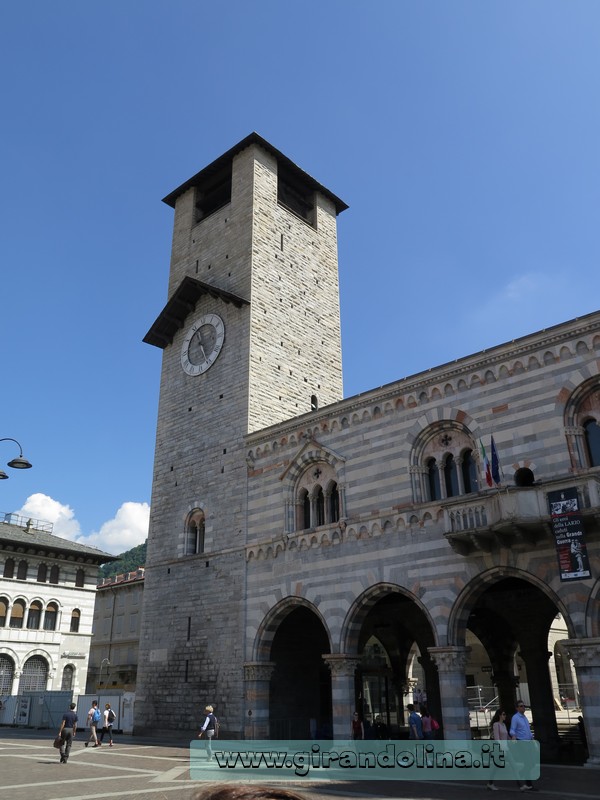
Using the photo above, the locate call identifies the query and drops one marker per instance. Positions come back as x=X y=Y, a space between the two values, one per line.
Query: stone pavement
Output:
x=147 y=769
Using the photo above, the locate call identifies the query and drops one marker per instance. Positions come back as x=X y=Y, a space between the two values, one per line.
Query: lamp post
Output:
x=102 y=663
x=16 y=463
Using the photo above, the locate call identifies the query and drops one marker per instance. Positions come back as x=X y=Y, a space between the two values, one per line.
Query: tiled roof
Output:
x=16 y=536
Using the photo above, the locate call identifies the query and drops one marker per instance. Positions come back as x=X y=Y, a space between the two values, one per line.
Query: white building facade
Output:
x=47 y=594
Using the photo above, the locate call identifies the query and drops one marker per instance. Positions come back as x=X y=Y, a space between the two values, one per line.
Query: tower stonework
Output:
x=250 y=335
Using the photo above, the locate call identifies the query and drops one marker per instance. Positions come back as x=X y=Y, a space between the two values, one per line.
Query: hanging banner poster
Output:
x=567 y=526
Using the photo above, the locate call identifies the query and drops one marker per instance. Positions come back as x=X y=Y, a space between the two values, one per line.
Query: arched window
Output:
x=305 y=510
x=9 y=568
x=54 y=574
x=334 y=503
x=3 y=612
x=195 y=532
x=319 y=506
x=42 y=572
x=34 y=616
x=450 y=476
x=22 y=571
x=17 y=614
x=75 y=617
x=79 y=578
x=34 y=677
x=433 y=480
x=50 y=617
x=469 y=472
x=7 y=671
x=592 y=441
x=67 y=678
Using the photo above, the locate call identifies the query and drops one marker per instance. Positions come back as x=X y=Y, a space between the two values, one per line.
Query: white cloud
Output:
x=40 y=506
x=128 y=528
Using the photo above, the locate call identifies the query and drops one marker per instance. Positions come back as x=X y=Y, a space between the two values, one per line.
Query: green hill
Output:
x=128 y=562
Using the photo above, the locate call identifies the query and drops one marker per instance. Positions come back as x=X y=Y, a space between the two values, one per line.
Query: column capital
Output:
x=584 y=652
x=341 y=664
x=258 y=670
x=449 y=658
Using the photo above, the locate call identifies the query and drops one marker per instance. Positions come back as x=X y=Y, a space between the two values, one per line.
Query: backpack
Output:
x=111 y=715
x=96 y=715
x=434 y=725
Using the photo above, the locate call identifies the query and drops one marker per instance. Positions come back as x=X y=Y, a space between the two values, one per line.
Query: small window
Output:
x=195 y=533
x=67 y=678
x=42 y=573
x=9 y=568
x=50 y=617
x=469 y=472
x=295 y=195
x=3 y=613
x=80 y=578
x=450 y=477
x=75 y=617
x=22 y=571
x=314 y=402
x=34 y=617
x=17 y=614
x=305 y=499
x=334 y=504
x=54 y=574
x=433 y=480
x=592 y=441
x=320 y=507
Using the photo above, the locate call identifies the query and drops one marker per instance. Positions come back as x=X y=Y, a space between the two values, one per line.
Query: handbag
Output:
x=57 y=741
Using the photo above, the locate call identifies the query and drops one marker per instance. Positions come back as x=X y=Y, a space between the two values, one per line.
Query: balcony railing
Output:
x=513 y=515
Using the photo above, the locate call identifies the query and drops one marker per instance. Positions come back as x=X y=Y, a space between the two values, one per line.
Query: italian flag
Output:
x=487 y=470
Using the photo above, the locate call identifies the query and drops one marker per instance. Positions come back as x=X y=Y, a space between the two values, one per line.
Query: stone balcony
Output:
x=514 y=516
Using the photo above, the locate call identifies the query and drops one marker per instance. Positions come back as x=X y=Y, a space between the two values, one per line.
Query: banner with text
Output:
x=569 y=533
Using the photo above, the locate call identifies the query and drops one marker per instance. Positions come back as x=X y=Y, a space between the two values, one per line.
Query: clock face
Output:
x=202 y=344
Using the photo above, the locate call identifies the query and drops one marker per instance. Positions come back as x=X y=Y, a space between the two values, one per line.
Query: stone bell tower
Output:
x=250 y=335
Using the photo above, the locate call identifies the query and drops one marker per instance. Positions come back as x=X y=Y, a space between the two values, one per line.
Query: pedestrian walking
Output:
x=415 y=724
x=520 y=730
x=68 y=728
x=211 y=728
x=93 y=719
x=107 y=724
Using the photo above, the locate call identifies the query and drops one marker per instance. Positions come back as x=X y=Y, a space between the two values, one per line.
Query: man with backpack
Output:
x=109 y=718
x=93 y=718
x=211 y=728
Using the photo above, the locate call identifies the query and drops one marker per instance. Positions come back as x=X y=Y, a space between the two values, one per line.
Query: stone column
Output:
x=536 y=657
x=586 y=657
x=451 y=662
x=257 y=679
x=15 y=682
x=343 y=701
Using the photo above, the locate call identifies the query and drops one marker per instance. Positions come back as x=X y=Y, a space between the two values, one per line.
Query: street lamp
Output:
x=102 y=663
x=17 y=463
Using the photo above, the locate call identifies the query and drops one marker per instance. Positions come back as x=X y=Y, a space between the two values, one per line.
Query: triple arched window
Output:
x=317 y=498
x=444 y=463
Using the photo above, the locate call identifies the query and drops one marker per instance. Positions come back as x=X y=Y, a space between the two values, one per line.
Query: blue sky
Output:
x=463 y=135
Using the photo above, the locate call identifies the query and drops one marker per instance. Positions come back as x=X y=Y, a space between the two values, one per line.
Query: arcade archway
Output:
x=300 y=687
x=391 y=633
x=512 y=617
